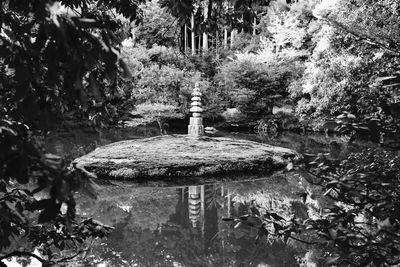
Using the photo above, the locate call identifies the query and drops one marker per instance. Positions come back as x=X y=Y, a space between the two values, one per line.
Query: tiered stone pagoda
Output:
x=196 y=128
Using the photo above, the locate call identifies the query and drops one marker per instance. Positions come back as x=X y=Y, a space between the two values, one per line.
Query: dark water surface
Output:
x=182 y=225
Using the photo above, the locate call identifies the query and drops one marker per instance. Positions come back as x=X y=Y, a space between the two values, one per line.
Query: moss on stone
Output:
x=177 y=156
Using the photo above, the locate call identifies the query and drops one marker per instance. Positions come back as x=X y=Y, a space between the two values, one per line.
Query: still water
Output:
x=170 y=225
x=183 y=226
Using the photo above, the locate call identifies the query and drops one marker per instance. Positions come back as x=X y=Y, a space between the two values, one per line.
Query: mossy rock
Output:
x=177 y=156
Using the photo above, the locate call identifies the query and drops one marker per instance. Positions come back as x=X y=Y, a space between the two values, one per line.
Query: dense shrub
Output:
x=134 y=54
x=206 y=63
x=363 y=224
x=329 y=78
x=161 y=55
x=344 y=80
x=344 y=73
x=245 y=42
x=253 y=81
x=167 y=85
x=167 y=55
x=215 y=101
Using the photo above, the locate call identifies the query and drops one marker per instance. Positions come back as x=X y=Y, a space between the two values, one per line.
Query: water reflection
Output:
x=183 y=226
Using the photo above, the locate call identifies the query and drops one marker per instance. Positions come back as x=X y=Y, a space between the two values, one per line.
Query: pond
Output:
x=165 y=224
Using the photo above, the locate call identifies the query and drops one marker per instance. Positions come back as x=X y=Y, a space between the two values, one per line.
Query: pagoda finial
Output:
x=196 y=128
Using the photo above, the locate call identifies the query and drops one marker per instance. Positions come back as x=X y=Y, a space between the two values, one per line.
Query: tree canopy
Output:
x=55 y=60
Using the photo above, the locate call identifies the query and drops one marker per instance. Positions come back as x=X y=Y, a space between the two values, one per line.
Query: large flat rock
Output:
x=182 y=156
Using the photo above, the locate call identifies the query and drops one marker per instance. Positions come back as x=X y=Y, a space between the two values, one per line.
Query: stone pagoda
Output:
x=196 y=128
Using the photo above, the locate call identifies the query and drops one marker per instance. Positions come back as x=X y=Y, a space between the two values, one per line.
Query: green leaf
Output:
x=10 y=34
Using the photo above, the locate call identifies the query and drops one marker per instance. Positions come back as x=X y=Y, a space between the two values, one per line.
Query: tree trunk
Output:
x=254 y=25
x=134 y=37
x=205 y=41
x=216 y=42
x=205 y=34
x=233 y=33
x=199 y=47
x=193 y=37
x=185 y=39
x=225 y=38
x=243 y=24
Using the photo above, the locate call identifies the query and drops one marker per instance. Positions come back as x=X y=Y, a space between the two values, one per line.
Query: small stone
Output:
x=210 y=130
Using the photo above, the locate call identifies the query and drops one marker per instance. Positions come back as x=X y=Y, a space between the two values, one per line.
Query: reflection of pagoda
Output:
x=196 y=205
x=198 y=212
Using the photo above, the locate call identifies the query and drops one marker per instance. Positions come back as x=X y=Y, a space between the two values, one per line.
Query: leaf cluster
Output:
x=55 y=63
x=361 y=227
x=363 y=224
